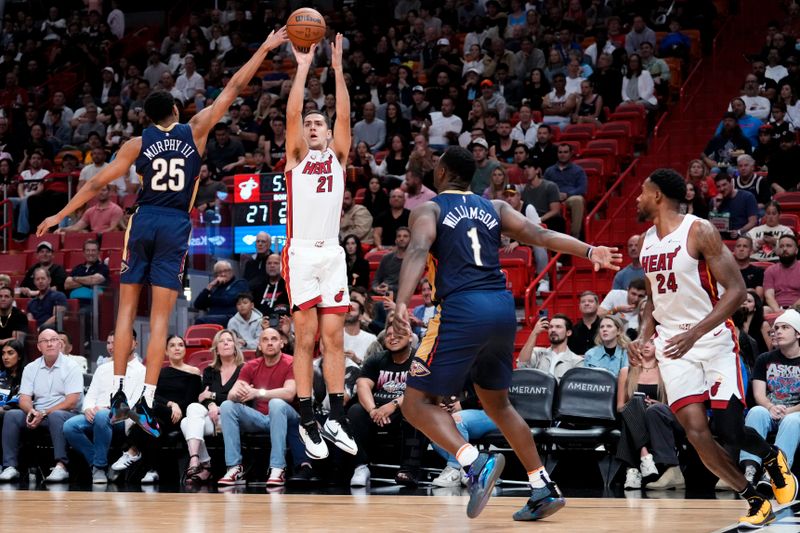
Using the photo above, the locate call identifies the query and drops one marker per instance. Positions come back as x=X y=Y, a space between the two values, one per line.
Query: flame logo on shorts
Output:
x=715 y=387
x=339 y=296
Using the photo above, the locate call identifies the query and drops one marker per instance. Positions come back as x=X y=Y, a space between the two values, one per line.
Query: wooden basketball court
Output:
x=119 y=512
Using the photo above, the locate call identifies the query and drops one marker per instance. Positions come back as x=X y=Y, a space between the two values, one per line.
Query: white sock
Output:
x=538 y=478
x=119 y=382
x=466 y=455
x=149 y=394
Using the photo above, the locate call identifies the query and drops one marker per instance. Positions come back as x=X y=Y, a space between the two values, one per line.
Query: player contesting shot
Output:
x=693 y=288
x=457 y=235
x=167 y=156
x=313 y=262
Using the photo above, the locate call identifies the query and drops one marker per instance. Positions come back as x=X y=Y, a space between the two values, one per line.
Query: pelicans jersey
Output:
x=157 y=238
x=314 y=265
x=684 y=292
x=472 y=333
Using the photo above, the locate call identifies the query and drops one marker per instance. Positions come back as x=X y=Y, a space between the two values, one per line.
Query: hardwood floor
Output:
x=119 y=512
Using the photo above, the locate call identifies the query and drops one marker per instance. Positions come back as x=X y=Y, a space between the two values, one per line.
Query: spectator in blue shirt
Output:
x=749 y=124
x=634 y=270
x=734 y=212
x=49 y=302
x=572 y=184
x=92 y=272
x=610 y=351
x=219 y=297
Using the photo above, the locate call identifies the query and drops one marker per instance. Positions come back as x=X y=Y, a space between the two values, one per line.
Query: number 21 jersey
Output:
x=684 y=289
x=314 y=191
x=168 y=165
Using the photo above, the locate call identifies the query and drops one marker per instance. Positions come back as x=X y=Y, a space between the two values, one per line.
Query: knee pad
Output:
x=728 y=424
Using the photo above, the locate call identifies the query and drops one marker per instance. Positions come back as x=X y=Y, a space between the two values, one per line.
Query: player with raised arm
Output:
x=167 y=156
x=693 y=288
x=313 y=262
x=457 y=235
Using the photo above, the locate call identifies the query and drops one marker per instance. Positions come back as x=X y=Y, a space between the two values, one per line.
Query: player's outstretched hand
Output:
x=277 y=38
x=678 y=345
x=605 y=257
x=46 y=224
x=336 y=52
x=304 y=58
x=401 y=322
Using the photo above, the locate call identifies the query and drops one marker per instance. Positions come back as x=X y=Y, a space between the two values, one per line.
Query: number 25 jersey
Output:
x=465 y=255
x=168 y=165
x=684 y=289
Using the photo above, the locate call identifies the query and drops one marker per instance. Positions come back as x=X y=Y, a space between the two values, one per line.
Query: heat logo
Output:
x=246 y=188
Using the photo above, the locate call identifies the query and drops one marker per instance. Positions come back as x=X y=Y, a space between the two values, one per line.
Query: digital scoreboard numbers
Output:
x=259 y=204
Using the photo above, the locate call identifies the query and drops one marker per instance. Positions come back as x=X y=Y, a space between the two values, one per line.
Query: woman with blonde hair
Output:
x=202 y=417
x=648 y=426
x=611 y=346
x=697 y=174
x=498 y=182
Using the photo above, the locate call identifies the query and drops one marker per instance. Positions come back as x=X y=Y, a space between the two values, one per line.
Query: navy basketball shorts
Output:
x=156 y=244
x=471 y=335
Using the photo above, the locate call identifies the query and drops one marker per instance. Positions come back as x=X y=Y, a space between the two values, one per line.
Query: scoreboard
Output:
x=259 y=204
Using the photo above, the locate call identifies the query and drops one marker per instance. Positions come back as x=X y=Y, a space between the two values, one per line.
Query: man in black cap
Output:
x=44 y=253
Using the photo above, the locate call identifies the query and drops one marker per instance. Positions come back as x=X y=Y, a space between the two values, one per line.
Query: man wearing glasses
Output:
x=50 y=394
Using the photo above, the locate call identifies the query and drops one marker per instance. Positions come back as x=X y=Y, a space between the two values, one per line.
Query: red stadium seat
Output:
x=791 y=220
x=576 y=145
x=199 y=356
x=114 y=261
x=637 y=121
x=580 y=136
x=249 y=354
x=13 y=263
x=202 y=331
x=588 y=127
x=72 y=259
x=33 y=241
x=360 y=193
x=75 y=240
x=113 y=240
x=22 y=303
x=622 y=132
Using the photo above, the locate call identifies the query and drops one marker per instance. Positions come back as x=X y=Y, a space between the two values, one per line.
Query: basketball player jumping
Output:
x=693 y=287
x=167 y=156
x=313 y=262
x=457 y=235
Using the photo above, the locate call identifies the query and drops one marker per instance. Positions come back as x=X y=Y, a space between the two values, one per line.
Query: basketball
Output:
x=305 y=27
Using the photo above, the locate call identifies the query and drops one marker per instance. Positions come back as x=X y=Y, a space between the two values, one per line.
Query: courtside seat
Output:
x=531 y=393
x=586 y=412
x=74 y=240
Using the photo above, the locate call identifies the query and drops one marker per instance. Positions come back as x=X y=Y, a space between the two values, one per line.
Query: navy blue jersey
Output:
x=168 y=165
x=465 y=255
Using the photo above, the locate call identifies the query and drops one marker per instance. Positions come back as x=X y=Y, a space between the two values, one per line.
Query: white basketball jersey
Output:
x=684 y=290
x=314 y=190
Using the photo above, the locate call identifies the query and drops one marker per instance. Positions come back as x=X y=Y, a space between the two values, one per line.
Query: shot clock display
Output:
x=259 y=204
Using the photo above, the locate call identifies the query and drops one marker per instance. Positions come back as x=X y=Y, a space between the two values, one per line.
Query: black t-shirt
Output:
x=57 y=277
x=782 y=376
x=390 y=225
x=753 y=276
x=16 y=321
x=388 y=376
x=582 y=338
x=544 y=156
x=212 y=378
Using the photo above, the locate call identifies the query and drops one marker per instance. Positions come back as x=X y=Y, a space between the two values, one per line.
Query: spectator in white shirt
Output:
x=246 y=323
x=191 y=84
x=624 y=305
x=91 y=432
x=356 y=340
x=775 y=71
x=525 y=130
x=755 y=105
x=445 y=126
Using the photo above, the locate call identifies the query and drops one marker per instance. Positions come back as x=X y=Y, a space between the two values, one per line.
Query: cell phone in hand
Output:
x=639 y=395
x=543 y=313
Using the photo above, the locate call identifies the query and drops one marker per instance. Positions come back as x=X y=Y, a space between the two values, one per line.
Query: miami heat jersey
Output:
x=168 y=165
x=314 y=189
x=684 y=290
x=464 y=256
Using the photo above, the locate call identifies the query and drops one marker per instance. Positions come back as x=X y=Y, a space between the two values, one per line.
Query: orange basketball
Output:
x=305 y=27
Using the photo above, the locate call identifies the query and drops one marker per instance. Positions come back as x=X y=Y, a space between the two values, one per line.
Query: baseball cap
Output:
x=472 y=70
x=444 y=41
x=44 y=244
x=480 y=141
x=510 y=190
x=791 y=318
x=109 y=69
x=487 y=83
x=728 y=114
x=417 y=89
